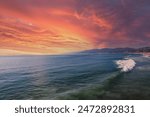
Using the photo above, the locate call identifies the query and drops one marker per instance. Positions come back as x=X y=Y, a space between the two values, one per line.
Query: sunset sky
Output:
x=62 y=26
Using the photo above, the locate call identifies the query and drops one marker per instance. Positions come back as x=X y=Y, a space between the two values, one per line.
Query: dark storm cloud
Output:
x=128 y=17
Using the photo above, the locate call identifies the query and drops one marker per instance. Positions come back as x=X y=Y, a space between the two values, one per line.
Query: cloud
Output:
x=23 y=36
x=126 y=21
x=57 y=26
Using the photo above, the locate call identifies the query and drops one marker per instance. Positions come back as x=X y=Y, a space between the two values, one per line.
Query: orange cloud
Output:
x=23 y=36
x=60 y=26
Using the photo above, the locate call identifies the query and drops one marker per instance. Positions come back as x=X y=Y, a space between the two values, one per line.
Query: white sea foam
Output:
x=126 y=65
x=146 y=56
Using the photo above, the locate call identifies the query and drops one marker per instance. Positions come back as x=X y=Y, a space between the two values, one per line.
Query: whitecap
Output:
x=146 y=56
x=126 y=65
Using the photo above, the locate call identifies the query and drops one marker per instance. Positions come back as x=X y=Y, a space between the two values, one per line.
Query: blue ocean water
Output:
x=74 y=76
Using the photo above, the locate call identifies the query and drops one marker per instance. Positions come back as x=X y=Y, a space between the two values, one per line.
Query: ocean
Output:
x=79 y=76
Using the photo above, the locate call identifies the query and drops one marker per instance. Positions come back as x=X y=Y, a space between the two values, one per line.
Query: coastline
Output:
x=146 y=54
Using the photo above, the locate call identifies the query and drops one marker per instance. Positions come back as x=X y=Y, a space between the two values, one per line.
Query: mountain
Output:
x=144 y=49
x=117 y=50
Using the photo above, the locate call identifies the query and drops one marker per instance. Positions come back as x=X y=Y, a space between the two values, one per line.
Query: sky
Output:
x=64 y=26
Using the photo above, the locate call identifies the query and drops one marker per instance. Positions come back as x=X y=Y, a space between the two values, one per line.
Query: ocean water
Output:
x=75 y=76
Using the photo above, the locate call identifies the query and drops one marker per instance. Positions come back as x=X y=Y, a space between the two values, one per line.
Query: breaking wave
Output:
x=146 y=55
x=126 y=65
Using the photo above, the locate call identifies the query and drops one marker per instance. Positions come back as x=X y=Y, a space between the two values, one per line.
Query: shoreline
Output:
x=146 y=54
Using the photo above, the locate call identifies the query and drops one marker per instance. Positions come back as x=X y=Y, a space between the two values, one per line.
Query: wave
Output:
x=96 y=91
x=126 y=65
x=146 y=55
